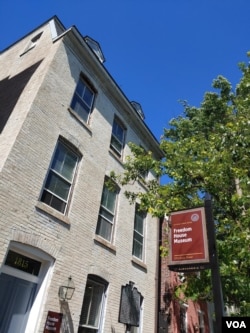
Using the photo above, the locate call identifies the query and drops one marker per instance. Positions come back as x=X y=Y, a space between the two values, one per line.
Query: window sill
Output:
x=80 y=120
x=138 y=262
x=101 y=241
x=115 y=156
x=51 y=211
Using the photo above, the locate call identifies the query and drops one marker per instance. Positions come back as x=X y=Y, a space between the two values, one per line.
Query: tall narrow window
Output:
x=82 y=101
x=59 y=181
x=92 y=308
x=138 y=238
x=106 y=217
x=117 y=137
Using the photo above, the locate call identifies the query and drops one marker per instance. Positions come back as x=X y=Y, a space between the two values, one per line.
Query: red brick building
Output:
x=175 y=315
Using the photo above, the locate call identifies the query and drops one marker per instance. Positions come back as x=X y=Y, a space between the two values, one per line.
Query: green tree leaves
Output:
x=207 y=150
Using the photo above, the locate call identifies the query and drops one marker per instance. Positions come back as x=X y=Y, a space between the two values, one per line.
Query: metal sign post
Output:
x=215 y=272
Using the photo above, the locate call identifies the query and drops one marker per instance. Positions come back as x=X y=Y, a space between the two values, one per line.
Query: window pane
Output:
x=80 y=88
x=86 y=305
x=106 y=215
x=104 y=228
x=139 y=224
x=116 y=144
x=82 y=100
x=118 y=131
x=138 y=237
x=69 y=165
x=88 y=97
x=80 y=108
x=96 y=303
x=60 y=177
x=138 y=245
x=92 y=306
x=64 y=162
x=58 y=158
x=117 y=138
x=137 y=249
x=53 y=201
x=108 y=199
x=57 y=185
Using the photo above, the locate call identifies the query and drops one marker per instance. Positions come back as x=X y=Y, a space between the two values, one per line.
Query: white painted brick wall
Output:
x=27 y=144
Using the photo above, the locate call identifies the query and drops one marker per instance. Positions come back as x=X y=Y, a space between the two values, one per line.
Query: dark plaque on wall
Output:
x=130 y=305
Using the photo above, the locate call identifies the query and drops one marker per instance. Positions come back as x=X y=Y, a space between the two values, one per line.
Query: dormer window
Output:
x=95 y=47
x=138 y=109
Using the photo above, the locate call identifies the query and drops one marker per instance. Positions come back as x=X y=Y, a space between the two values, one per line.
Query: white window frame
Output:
x=95 y=280
x=79 y=104
x=136 y=232
x=105 y=213
x=70 y=183
x=114 y=137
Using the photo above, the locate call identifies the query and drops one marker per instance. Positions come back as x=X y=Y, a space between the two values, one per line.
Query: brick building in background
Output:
x=177 y=315
x=64 y=126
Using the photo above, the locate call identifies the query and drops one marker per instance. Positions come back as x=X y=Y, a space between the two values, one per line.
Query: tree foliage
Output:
x=207 y=149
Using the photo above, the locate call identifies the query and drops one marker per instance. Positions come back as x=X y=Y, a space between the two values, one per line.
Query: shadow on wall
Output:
x=67 y=323
x=10 y=91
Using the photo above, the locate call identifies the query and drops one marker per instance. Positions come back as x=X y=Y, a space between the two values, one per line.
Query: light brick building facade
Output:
x=64 y=126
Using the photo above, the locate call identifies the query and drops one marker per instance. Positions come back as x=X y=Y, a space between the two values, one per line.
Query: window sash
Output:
x=138 y=236
x=92 y=307
x=116 y=145
x=60 y=177
x=106 y=214
x=82 y=101
x=137 y=247
x=117 y=138
x=56 y=185
x=108 y=200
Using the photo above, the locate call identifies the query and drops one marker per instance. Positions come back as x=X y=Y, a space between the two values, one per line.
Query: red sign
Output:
x=53 y=322
x=188 y=237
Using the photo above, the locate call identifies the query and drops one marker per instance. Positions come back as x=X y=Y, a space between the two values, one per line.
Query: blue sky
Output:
x=158 y=51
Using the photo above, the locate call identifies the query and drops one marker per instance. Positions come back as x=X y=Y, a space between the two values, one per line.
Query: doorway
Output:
x=21 y=277
x=16 y=299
